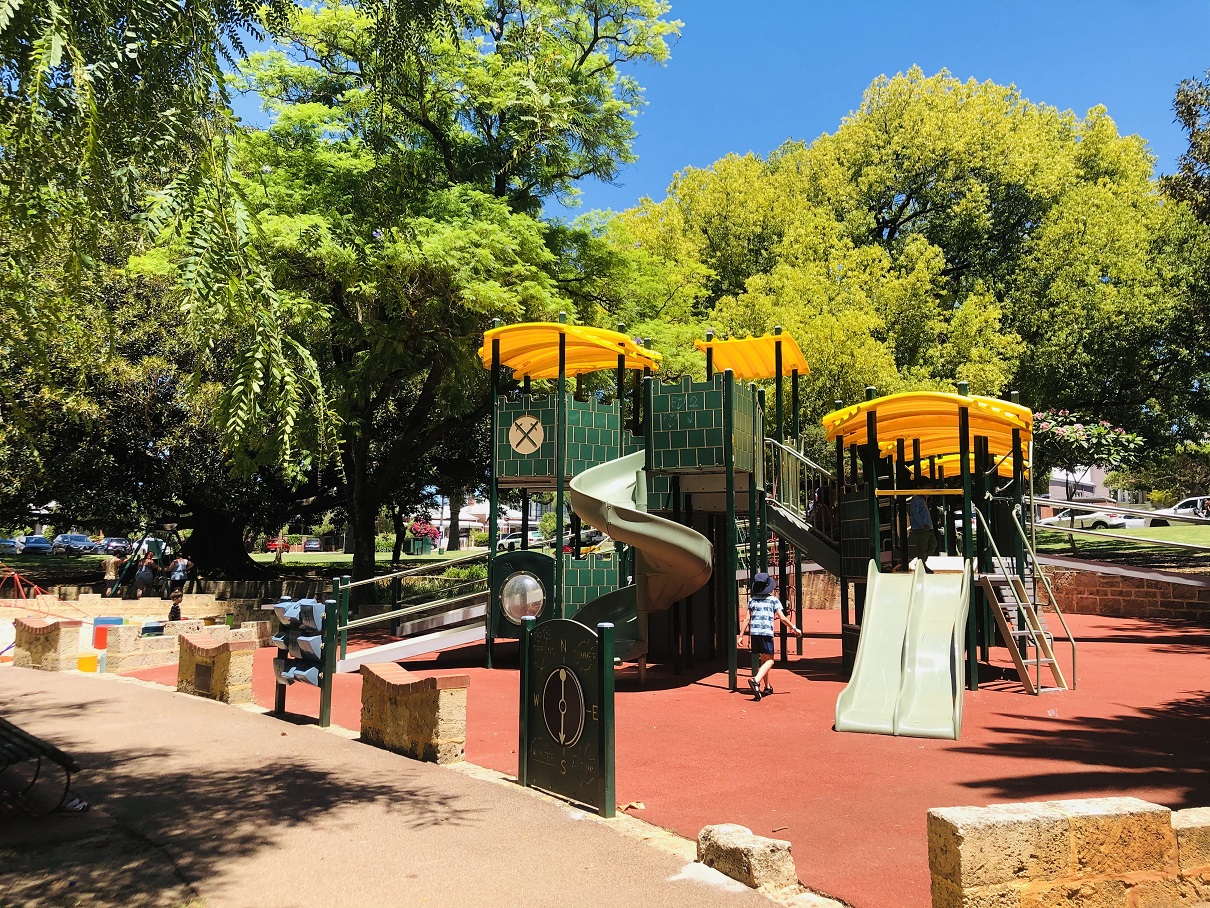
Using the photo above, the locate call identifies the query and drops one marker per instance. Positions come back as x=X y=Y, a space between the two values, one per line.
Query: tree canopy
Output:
x=947 y=231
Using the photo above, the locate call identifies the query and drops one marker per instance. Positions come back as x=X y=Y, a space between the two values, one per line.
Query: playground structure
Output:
x=699 y=484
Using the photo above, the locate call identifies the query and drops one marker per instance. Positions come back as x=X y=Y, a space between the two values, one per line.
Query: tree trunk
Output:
x=362 y=517
x=216 y=546
x=457 y=501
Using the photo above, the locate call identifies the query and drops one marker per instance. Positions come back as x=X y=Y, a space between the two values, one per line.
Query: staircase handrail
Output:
x=1050 y=593
x=1003 y=566
x=789 y=489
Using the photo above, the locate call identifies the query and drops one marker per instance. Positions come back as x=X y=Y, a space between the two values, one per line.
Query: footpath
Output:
x=197 y=804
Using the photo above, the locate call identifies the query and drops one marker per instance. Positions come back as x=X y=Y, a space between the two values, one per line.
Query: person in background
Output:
x=922 y=538
x=144 y=577
x=113 y=569
x=764 y=611
x=178 y=572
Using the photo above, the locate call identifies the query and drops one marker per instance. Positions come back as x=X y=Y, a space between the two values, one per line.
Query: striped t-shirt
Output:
x=761 y=610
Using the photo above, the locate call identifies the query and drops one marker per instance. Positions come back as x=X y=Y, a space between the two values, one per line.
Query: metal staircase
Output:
x=1020 y=599
x=796 y=514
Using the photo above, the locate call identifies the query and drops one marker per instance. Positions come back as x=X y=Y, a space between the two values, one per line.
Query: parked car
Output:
x=313 y=544
x=32 y=545
x=113 y=545
x=1190 y=507
x=589 y=536
x=512 y=541
x=1084 y=520
x=271 y=545
x=8 y=546
x=72 y=544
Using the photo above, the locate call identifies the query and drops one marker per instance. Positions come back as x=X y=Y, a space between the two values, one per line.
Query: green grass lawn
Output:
x=1136 y=554
x=43 y=569
x=324 y=562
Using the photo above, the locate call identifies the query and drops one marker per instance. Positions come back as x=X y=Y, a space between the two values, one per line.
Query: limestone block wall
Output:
x=1102 y=852
x=128 y=649
x=1126 y=596
x=820 y=590
x=422 y=718
x=49 y=645
x=217 y=669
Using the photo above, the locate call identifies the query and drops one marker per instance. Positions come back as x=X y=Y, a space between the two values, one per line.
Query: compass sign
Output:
x=566 y=745
x=563 y=706
x=525 y=435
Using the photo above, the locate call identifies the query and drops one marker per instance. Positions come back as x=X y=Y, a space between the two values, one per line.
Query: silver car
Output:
x=1084 y=520
x=1190 y=507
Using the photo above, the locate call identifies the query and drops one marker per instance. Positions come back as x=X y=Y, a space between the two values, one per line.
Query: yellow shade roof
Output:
x=532 y=349
x=931 y=417
x=756 y=357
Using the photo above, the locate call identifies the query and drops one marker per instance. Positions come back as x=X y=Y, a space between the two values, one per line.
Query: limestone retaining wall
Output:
x=422 y=718
x=217 y=669
x=1097 y=853
x=1126 y=595
x=128 y=649
x=52 y=645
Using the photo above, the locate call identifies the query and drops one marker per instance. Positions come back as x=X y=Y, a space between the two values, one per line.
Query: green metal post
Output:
x=328 y=677
x=794 y=417
x=777 y=384
x=731 y=567
x=709 y=356
x=968 y=542
x=527 y=627
x=605 y=749
x=840 y=488
x=344 y=617
x=560 y=468
x=901 y=504
x=753 y=506
x=494 y=498
x=871 y=478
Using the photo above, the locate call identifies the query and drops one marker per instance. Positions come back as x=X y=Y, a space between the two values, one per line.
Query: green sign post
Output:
x=566 y=743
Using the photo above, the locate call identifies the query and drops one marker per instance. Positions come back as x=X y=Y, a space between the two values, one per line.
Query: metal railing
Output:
x=801 y=486
x=1007 y=570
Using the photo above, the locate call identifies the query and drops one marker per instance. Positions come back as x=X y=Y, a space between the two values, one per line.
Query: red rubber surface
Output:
x=854 y=805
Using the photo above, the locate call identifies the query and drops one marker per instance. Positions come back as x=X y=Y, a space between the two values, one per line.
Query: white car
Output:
x=512 y=541
x=1084 y=520
x=1190 y=507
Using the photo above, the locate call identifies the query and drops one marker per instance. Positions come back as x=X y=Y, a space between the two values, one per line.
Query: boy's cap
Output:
x=763 y=584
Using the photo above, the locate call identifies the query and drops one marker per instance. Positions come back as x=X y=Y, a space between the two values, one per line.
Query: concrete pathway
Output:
x=204 y=805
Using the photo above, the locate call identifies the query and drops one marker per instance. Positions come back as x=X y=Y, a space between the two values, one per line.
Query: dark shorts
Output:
x=762 y=646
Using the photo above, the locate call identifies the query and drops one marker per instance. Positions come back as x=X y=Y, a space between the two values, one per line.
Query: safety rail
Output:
x=1007 y=570
x=801 y=486
x=1050 y=593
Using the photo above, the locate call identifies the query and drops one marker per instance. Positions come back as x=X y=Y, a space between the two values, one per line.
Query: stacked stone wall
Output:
x=422 y=718
x=1102 y=852
x=1127 y=596
x=216 y=669
x=46 y=644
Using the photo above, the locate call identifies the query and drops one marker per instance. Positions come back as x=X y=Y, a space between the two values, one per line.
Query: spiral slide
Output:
x=910 y=674
x=672 y=561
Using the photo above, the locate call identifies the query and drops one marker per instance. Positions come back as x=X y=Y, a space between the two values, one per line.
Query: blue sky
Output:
x=747 y=76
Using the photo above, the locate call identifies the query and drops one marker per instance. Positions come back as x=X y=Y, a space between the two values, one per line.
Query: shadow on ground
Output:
x=1162 y=747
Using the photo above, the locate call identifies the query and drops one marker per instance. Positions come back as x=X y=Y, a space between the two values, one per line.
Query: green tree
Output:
x=396 y=196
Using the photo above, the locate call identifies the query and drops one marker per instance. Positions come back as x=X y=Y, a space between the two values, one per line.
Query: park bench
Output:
x=18 y=748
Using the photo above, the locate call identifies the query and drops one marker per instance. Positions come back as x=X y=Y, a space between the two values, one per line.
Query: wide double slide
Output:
x=672 y=561
x=909 y=675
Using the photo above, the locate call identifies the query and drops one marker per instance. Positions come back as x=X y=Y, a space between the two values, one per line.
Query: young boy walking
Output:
x=764 y=611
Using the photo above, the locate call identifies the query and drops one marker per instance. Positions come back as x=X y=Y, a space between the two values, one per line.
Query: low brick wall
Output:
x=217 y=669
x=1102 y=852
x=128 y=649
x=422 y=718
x=51 y=645
x=1123 y=595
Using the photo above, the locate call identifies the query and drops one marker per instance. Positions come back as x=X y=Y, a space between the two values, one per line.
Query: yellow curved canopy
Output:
x=950 y=465
x=931 y=417
x=532 y=349
x=756 y=357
